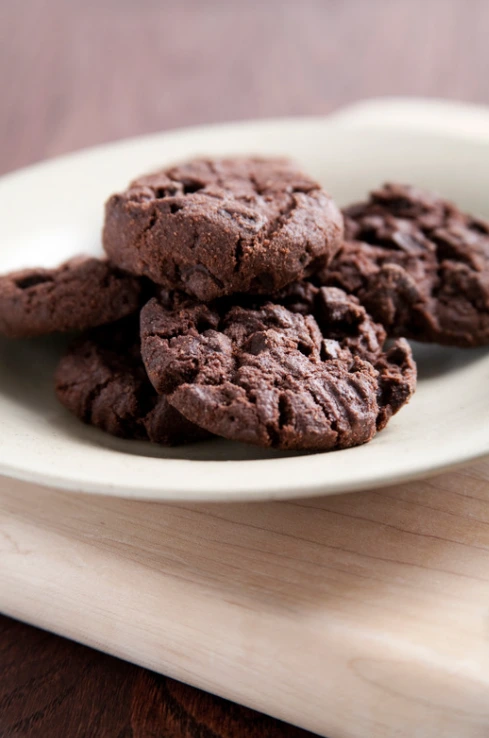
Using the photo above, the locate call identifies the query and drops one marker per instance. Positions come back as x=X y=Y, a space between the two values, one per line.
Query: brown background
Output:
x=73 y=74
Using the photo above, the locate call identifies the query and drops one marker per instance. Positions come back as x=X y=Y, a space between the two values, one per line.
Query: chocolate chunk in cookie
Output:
x=102 y=380
x=339 y=316
x=273 y=377
x=82 y=293
x=217 y=227
x=419 y=265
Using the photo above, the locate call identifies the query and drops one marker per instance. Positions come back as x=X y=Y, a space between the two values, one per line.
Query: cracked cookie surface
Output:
x=274 y=377
x=218 y=227
x=101 y=379
x=81 y=293
x=418 y=264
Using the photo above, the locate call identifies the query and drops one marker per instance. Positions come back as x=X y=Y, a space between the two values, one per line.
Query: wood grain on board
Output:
x=354 y=615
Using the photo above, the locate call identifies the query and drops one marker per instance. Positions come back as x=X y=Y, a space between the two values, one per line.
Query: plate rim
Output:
x=400 y=113
x=245 y=494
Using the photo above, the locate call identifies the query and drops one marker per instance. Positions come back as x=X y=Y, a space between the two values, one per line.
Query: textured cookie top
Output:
x=340 y=317
x=272 y=377
x=218 y=227
x=418 y=264
x=102 y=380
x=81 y=293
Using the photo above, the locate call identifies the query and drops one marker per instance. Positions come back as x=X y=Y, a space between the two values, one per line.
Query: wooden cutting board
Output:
x=358 y=616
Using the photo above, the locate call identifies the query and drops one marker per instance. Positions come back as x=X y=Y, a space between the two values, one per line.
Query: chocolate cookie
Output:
x=214 y=228
x=419 y=265
x=102 y=380
x=269 y=376
x=82 y=293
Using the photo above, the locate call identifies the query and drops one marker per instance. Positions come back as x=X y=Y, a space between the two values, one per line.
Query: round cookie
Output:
x=101 y=379
x=215 y=228
x=268 y=375
x=81 y=293
x=418 y=264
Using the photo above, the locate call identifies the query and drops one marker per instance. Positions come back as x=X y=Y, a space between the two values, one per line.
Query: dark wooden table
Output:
x=76 y=74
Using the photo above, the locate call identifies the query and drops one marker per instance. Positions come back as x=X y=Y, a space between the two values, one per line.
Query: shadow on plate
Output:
x=435 y=361
x=217 y=449
x=27 y=370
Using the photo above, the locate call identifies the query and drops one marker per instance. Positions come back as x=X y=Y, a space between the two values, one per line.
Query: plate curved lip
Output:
x=249 y=487
x=244 y=493
x=417 y=113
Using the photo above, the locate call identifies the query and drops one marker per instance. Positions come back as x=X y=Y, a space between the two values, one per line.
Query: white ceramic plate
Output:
x=54 y=210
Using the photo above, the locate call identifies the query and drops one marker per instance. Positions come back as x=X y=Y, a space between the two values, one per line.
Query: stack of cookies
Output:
x=237 y=300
